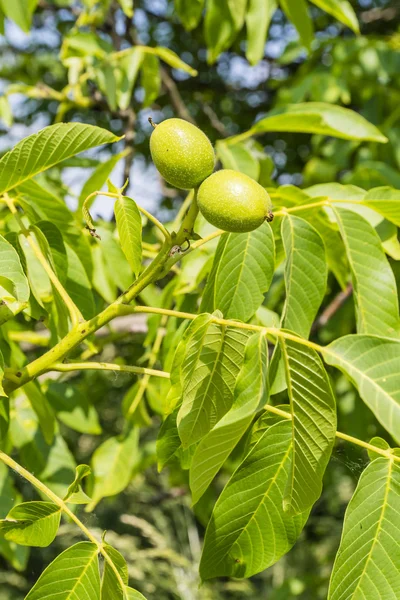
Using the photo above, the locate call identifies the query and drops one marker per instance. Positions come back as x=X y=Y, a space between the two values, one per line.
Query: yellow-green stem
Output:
x=102 y=366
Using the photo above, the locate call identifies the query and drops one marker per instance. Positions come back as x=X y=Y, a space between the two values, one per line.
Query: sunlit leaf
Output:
x=366 y=565
x=373 y=365
x=213 y=358
x=46 y=148
x=342 y=10
x=249 y=530
x=313 y=409
x=242 y=272
x=31 y=524
x=377 y=303
x=73 y=574
x=258 y=18
x=75 y=493
x=319 y=117
x=129 y=224
x=250 y=394
x=113 y=587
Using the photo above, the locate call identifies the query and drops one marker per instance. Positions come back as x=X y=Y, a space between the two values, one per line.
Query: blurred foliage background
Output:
x=58 y=68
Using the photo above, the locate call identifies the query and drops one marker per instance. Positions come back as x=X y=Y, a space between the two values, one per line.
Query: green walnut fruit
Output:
x=233 y=201
x=182 y=153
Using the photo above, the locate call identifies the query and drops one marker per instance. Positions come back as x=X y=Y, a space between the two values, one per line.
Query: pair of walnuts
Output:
x=229 y=200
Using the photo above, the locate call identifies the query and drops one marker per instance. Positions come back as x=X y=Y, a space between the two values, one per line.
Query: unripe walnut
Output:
x=182 y=153
x=233 y=201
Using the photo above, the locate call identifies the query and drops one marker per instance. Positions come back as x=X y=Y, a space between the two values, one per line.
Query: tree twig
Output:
x=332 y=308
x=175 y=96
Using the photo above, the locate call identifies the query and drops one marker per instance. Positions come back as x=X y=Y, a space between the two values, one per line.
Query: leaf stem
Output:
x=103 y=366
x=75 y=314
x=12 y=464
x=340 y=435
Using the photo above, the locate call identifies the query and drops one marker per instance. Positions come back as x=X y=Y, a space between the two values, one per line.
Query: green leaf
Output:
x=250 y=394
x=53 y=248
x=379 y=443
x=112 y=465
x=134 y=594
x=117 y=266
x=171 y=58
x=213 y=358
x=14 y=287
x=73 y=574
x=297 y=12
x=49 y=207
x=46 y=148
x=189 y=12
x=375 y=290
x=242 y=272
x=319 y=117
x=73 y=408
x=168 y=440
x=19 y=11
x=305 y=274
x=366 y=565
x=249 y=530
x=223 y=20
x=313 y=408
x=238 y=158
x=151 y=79
x=129 y=225
x=111 y=588
x=373 y=365
x=341 y=10
x=78 y=284
x=11 y=269
x=31 y=524
x=386 y=201
x=128 y=66
x=99 y=176
x=258 y=18
x=75 y=493
x=42 y=408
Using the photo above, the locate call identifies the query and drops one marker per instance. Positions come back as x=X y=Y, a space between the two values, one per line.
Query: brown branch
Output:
x=175 y=96
x=377 y=14
x=332 y=308
x=214 y=120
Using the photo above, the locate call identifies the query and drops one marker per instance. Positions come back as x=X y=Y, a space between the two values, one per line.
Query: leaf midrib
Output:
x=379 y=525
